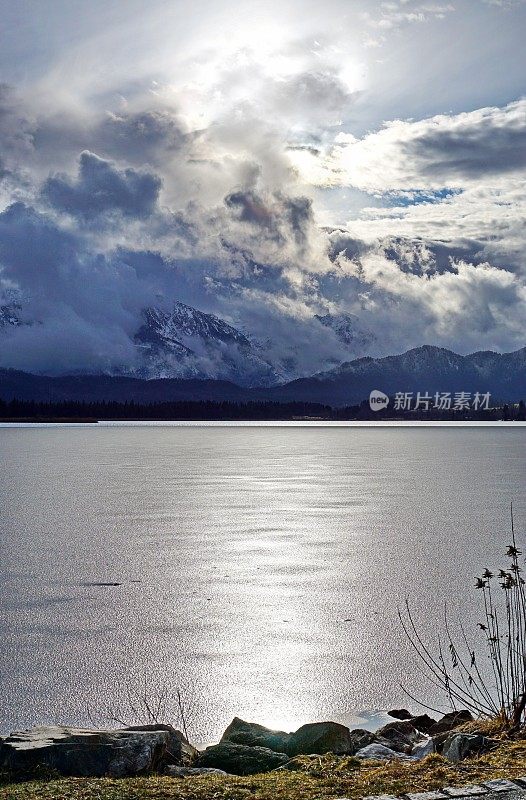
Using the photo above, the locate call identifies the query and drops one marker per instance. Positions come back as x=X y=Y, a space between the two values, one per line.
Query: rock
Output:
x=360 y=738
x=180 y=751
x=450 y=721
x=423 y=722
x=253 y=735
x=239 y=759
x=465 y=791
x=400 y=736
x=184 y=772
x=88 y=753
x=379 y=752
x=423 y=749
x=440 y=740
x=400 y=713
x=500 y=785
x=320 y=737
x=462 y=745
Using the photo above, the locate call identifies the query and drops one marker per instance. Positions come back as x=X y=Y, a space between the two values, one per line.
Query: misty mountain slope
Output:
x=349 y=331
x=423 y=369
x=9 y=316
x=187 y=343
x=180 y=341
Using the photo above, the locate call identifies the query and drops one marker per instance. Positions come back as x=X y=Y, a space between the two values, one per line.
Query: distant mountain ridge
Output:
x=180 y=341
x=422 y=369
x=425 y=369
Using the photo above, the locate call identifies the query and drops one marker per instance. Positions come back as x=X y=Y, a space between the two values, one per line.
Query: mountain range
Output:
x=423 y=369
x=180 y=341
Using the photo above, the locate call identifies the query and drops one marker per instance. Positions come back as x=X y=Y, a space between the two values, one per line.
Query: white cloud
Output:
x=482 y=146
x=238 y=144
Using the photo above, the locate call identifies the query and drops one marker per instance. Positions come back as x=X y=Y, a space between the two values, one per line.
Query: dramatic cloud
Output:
x=281 y=217
x=443 y=151
x=101 y=189
x=325 y=168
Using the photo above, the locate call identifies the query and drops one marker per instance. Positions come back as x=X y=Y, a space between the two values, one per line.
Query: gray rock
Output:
x=380 y=797
x=184 y=772
x=423 y=749
x=253 y=735
x=465 y=791
x=450 y=721
x=81 y=752
x=180 y=751
x=401 y=736
x=360 y=738
x=500 y=785
x=239 y=759
x=462 y=745
x=320 y=737
x=379 y=752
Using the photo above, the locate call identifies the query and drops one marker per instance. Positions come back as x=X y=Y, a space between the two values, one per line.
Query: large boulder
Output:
x=462 y=745
x=400 y=713
x=81 y=752
x=320 y=737
x=239 y=759
x=253 y=735
x=400 y=736
x=423 y=722
x=180 y=752
x=450 y=721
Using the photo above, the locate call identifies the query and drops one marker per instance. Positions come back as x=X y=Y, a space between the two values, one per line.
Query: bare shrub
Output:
x=454 y=667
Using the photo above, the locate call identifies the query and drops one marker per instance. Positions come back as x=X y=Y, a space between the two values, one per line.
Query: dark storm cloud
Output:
x=33 y=250
x=250 y=208
x=83 y=304
x=300 y=216
x=280 y=216
x=444 y=153
x=101 y=188
x=482 y=149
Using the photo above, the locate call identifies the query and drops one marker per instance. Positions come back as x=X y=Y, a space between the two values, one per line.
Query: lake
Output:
x=257 y=568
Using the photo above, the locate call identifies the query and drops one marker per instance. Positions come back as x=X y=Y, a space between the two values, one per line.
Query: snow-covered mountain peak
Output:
x=349 y=330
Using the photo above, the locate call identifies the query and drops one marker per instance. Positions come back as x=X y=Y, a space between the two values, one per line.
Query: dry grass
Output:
x=315 y=778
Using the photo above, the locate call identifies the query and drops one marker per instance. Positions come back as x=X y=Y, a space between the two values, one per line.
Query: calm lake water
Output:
x=259 y=568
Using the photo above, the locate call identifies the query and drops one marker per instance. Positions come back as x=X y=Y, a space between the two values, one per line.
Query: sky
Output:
x=266 y=162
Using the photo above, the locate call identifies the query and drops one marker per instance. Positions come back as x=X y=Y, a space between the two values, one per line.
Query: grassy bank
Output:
x=315 y=778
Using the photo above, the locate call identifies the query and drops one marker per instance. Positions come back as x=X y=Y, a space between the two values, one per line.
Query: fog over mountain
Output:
x=314 y=185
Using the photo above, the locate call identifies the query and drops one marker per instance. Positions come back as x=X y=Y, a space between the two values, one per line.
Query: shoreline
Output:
x=383 y=423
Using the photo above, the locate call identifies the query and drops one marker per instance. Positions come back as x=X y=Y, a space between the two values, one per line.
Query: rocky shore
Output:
x=245 y=748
